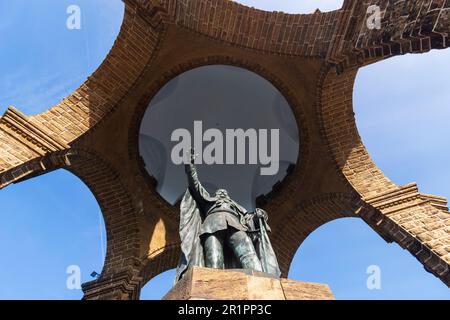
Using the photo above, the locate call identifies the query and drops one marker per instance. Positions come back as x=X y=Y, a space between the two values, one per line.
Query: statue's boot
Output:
x=244 y=250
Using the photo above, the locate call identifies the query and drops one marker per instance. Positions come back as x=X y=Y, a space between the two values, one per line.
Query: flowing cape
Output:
x=190 y=224
x=265 y=251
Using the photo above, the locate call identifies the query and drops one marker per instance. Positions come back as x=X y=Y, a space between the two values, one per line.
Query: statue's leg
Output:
x=213 y=248
x=244 y=250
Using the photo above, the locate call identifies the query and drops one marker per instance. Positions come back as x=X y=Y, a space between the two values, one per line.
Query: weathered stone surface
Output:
x=213 y=284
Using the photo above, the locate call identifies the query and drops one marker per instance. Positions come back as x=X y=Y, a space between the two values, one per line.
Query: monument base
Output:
x=213 y=284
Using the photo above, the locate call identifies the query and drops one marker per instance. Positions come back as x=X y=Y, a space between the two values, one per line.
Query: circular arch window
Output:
x=240 y=125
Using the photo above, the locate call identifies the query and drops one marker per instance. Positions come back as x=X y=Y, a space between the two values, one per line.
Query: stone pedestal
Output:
x=213 y=284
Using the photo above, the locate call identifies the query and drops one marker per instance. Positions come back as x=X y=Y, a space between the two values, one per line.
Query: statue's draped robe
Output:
x=191 y=219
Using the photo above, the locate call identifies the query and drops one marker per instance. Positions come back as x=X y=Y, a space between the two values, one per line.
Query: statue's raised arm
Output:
x=191 y=171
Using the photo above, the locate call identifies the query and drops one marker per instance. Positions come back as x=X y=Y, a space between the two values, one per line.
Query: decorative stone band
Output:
x=18 y=173
x=415 y=26
x=155 y=14
x=417 y=222
x=30 y=134
x=121 y=286
x=35 y=167
x=405 y=197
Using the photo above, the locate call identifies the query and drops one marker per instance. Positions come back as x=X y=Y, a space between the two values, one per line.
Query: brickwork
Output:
x=312 y=59
x=417 y=222
x=406 y=27
x=339 y=129
x=120 y=286
x=305 y=219
x=274 y=32
x=420 y=224
x=22 y=141
x=121 y=217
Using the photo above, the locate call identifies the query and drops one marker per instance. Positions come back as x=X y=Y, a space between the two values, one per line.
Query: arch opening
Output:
x=50 y=245
x=356 y=263
x=244 y=127
x=402 y=119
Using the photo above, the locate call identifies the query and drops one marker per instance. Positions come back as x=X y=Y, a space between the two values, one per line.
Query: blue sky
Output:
x=53 y=221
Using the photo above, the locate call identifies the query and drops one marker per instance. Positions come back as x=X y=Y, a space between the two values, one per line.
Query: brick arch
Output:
x=308 y=35
x=337 y=121
x=160 y=261
x=121 y=219
x=415 y=26
x=417 y=222
x=114 y=201
x=125 y=269
x=166 y=258
x=407 y=27
x=296 y=107
x=308 y=217
x=60 y=126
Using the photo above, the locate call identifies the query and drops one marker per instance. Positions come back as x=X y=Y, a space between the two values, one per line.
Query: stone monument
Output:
x=313 y=60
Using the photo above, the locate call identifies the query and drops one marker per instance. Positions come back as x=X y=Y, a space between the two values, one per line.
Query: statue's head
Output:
x=222 y=193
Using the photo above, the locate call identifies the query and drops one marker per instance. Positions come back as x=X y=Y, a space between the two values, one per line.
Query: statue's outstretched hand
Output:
x=260 y=213
x=193 y=156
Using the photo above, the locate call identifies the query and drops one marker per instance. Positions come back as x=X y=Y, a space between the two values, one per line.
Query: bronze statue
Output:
x=216 y=232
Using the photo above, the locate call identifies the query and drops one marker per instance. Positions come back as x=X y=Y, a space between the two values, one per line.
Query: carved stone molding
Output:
x=404 y=198
x=30 y=134
x=122 y=286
